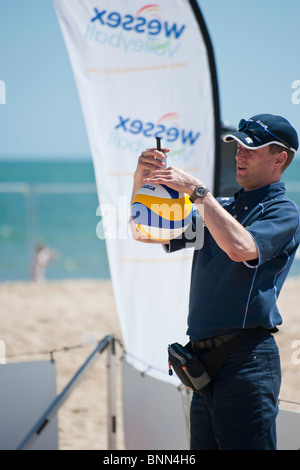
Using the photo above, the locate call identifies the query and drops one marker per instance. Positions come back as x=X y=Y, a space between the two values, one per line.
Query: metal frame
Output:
x=108 y=342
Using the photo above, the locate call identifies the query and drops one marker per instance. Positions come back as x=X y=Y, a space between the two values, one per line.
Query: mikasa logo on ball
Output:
x=149 y=186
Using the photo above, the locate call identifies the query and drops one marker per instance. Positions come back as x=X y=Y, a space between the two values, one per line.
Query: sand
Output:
x=73 y=315
x=70 y=317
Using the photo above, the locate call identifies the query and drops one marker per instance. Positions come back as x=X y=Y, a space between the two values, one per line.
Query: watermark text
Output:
x=2 y=92
x=159 y=222
x=296 y=94
x=296 y=353
x=2 y=352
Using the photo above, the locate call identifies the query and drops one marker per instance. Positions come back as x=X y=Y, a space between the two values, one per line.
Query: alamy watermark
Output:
x=2 y=92
x=2 y=352
x=296 y=94
x=120 y=222
x=296 y=354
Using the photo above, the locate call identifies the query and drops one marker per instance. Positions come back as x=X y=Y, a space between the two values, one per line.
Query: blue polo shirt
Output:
x=226 y=295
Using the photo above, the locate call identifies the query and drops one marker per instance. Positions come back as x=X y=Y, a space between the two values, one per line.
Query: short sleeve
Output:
x=276 y=230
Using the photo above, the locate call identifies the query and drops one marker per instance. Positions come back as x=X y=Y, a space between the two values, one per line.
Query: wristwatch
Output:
x=199 y=191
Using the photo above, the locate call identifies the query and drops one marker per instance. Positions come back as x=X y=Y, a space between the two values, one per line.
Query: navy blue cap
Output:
x=265 y=129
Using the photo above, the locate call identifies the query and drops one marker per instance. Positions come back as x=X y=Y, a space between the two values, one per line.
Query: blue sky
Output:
x=256 y=46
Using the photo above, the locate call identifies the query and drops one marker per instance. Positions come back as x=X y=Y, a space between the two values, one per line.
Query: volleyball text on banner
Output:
x=142 y=71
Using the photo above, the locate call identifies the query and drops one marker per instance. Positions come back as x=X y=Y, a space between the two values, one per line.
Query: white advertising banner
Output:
x=142 y=71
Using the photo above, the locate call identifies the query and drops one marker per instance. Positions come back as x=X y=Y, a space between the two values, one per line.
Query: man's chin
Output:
x=239 y=180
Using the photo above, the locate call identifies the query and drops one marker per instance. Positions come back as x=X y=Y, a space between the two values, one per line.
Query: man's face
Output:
x=255 y=168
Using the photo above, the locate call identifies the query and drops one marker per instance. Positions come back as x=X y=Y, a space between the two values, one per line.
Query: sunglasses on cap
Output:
x=259 y=128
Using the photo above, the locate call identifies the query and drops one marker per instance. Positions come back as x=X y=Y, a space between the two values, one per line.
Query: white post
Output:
x=111 y=394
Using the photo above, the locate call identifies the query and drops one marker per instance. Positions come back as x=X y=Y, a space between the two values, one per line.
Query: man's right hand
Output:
x=149 y=161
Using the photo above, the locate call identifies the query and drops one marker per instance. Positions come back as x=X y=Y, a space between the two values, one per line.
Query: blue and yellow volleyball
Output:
x=160 y=213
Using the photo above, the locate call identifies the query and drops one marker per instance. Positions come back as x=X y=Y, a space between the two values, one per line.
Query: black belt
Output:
x=214 y=342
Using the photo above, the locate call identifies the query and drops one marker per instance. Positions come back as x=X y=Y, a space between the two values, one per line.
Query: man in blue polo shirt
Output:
x=250 y=241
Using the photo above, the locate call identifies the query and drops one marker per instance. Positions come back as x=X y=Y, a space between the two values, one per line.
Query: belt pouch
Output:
x=188 y=368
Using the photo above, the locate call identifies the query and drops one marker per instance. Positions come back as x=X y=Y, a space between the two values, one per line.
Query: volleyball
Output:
x=160 y=213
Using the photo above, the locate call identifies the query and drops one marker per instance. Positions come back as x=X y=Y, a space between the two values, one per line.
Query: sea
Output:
x=54 y=203
x=51 y=203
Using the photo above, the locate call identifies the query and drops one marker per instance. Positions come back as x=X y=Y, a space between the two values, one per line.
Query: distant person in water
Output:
x=44 y=256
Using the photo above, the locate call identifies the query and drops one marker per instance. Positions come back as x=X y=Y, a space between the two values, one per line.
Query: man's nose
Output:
x=240 y=153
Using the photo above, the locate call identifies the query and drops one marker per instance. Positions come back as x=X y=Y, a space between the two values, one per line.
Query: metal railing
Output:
x=109 y=343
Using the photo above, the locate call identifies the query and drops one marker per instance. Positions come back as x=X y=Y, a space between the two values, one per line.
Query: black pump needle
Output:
x=158 y=143
x=158 y=147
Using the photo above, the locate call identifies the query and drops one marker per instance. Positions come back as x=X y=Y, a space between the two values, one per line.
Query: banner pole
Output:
x=111 y=395
x=215 y=91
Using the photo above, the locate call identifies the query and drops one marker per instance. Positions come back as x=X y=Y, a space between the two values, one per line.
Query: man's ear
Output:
x=280 y=159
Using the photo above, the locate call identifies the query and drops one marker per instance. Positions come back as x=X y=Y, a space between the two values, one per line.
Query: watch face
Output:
x=200 y=191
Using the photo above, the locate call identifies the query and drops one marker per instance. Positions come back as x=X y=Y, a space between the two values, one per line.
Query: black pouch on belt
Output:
x=198 y=373
x=187 y=367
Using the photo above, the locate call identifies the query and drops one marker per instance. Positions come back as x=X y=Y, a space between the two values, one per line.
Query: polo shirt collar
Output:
x=258 y=195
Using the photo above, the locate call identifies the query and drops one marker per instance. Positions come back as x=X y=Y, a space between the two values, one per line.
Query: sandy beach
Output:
x=69 y=317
